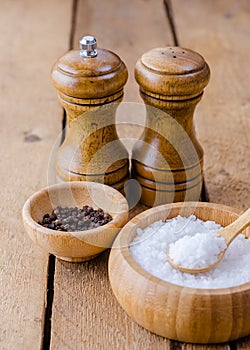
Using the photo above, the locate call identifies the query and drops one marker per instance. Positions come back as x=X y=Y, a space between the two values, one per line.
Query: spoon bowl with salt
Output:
x=218 y=242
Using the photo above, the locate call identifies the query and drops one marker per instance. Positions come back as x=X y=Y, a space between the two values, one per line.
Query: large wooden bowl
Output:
x=82 y=245
x=180 y=313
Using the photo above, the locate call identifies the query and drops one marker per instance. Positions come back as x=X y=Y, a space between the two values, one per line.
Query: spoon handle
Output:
x=231 y=231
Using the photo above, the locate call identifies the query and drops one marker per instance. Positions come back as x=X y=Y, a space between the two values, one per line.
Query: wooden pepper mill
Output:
x=167 y=160
x=90 y=85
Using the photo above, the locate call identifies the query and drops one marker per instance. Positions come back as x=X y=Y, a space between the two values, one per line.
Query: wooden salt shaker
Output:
x=90 y=85
x=167 y=160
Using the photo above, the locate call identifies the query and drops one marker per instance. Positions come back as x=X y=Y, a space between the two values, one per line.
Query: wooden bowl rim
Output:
x=27 y=217
x=125 y=251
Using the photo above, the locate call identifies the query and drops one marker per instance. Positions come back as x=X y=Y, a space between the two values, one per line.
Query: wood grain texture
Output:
x=82 y=245
x=85 y=312
x=31 y=35
x=167 y=160
x=86 y=80
x=230 y=232
x=90 y=89
x=186 y=314
x=128 y=29
x=220 y=31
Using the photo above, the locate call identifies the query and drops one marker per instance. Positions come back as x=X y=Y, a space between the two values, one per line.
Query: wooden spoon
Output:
x=228 y=233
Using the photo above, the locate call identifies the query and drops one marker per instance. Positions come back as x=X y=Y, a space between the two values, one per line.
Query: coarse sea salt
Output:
x=198 y=251
x=150 y=246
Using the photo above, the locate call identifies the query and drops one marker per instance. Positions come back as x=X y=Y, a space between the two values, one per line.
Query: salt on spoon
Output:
x=220 y=240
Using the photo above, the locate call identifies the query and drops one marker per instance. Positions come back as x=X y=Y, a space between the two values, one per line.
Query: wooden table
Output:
x=49 y=303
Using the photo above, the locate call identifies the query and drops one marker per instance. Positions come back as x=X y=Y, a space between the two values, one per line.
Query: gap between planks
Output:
x=81 y=290
x=28 y=130
x=49 y=303
x=52 y=260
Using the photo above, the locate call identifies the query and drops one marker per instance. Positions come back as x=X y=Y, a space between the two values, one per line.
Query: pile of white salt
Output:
x=206 y=248
x=150 y=247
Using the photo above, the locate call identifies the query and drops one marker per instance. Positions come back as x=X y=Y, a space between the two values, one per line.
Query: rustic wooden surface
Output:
x=29 y=126
x=220 y=31
x=85 y=314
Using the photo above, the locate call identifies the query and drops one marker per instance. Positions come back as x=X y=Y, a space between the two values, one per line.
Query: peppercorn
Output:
x=75 y=219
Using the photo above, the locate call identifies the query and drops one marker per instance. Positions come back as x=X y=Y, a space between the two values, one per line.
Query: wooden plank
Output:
x=31 y=37
x=86 y=315
x=220 y=31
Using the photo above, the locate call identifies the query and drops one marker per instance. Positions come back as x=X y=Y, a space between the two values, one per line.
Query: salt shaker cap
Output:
x=172 y=73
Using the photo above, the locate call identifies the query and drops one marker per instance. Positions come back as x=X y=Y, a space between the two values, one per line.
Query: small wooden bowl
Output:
x=181 y=313
x=81 y=245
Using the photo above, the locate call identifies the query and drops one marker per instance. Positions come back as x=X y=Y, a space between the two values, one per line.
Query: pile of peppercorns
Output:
x=75 y=219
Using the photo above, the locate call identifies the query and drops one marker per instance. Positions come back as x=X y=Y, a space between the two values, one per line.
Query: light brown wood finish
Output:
x=82 y=245
x=232 y=230
x=129 y=29
x=180 y=313
x=85 y=320
x=167 y=160
x=90 y=88
x=220 y=31
x=30 y=39
x=86 y=314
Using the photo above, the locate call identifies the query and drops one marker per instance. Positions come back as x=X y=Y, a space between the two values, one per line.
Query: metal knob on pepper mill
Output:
x=90 y=85
x=168 y=160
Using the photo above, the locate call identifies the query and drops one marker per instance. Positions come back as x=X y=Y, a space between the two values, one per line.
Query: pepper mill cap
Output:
x=172 y=71
x=89 y=72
